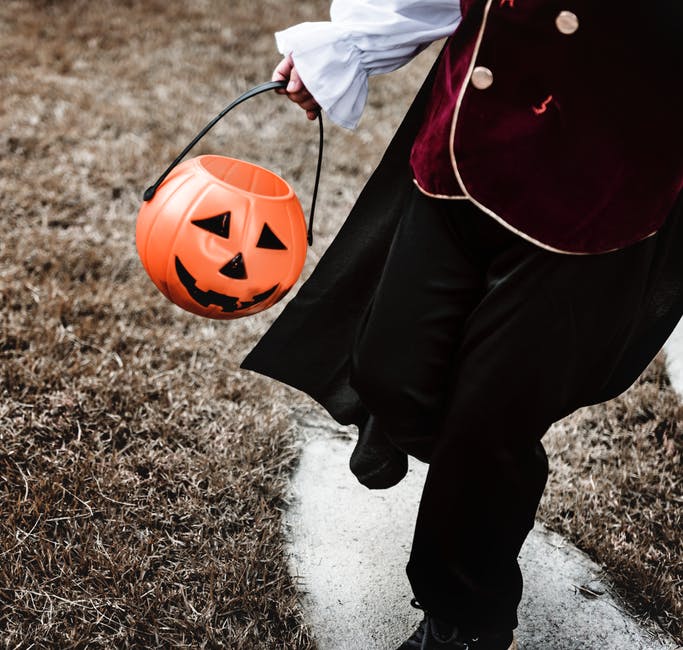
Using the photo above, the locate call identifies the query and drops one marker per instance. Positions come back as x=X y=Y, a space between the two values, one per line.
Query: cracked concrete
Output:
x=349 y=546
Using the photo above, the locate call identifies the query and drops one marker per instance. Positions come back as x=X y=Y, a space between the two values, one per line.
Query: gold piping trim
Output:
x=447 y=197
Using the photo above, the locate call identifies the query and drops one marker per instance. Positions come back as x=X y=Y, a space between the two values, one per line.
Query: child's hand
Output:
x=295 y=89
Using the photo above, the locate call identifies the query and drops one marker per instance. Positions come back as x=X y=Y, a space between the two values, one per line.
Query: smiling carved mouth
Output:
x=206 y=298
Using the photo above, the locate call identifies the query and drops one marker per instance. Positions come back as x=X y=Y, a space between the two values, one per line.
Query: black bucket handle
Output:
x=257 y=90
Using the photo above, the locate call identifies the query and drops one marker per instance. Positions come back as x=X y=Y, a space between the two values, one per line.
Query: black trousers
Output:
x=475 y=342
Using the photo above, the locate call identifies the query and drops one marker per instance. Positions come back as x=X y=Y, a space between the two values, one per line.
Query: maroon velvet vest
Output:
x=561 y=119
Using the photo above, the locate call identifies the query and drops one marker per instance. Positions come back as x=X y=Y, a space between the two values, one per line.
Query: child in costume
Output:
x=517 y=254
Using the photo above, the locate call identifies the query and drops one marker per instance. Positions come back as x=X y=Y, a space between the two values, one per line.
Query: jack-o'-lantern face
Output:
x=220 y=243
x=235 y=268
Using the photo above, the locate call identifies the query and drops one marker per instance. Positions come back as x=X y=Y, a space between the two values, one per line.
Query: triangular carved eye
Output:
x=218 y=225
x=268 y=239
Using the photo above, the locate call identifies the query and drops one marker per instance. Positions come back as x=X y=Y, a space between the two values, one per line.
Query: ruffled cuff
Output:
x=330 y=67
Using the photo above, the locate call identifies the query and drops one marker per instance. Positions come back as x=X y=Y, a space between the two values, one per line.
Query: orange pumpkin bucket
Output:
x=221 y=237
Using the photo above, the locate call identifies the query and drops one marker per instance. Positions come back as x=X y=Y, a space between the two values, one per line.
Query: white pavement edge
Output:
x=348 y=547
x=674 y=358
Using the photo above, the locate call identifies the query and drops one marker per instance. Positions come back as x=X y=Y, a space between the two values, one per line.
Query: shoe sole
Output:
x=513 y=645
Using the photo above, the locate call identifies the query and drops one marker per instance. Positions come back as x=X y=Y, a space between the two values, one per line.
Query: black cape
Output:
x=308 y=346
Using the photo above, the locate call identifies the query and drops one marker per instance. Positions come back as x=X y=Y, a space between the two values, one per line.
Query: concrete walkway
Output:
x=348 y=547
x=674 y=358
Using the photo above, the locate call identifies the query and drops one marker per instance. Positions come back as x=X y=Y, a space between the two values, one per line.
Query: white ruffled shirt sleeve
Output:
x=364 y=37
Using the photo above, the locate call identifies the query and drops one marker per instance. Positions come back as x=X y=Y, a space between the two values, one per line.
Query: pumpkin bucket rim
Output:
x=284 y=191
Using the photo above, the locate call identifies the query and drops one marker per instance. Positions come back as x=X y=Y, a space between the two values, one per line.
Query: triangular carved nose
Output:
x=235 y=268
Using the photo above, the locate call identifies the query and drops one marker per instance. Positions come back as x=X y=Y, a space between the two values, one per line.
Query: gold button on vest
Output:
x=567 y=22
x=482 y=77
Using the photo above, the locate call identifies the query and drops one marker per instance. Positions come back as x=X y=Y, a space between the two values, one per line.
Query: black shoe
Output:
x=435 y=634
x=376 y=463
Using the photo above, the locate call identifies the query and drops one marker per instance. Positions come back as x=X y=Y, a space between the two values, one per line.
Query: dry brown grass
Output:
x=615 y=491
x=141 y=472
